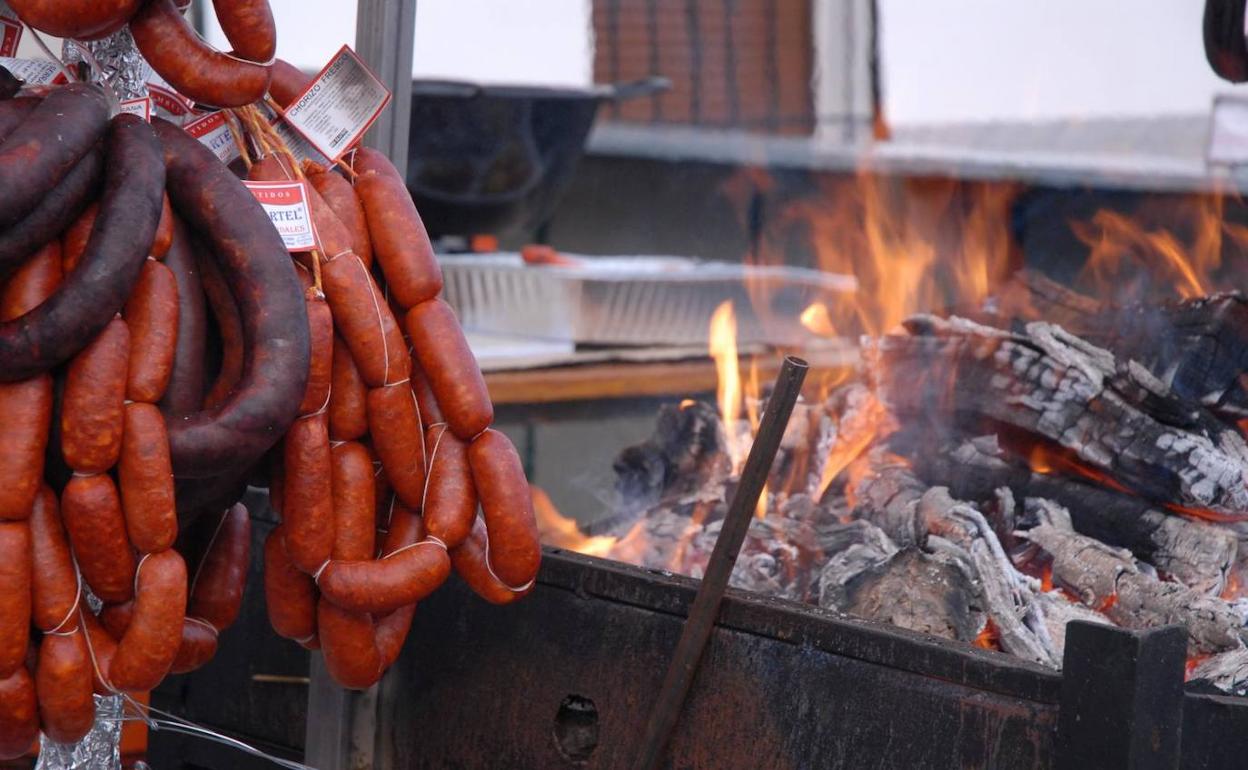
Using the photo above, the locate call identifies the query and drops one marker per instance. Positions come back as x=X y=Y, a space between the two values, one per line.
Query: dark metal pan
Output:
x=496 y=159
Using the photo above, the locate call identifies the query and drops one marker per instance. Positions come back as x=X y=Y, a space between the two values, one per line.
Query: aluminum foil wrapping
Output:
x=121 y=65
x=100 y=749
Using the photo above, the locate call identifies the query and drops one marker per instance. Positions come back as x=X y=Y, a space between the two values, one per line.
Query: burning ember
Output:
x=1026 y=456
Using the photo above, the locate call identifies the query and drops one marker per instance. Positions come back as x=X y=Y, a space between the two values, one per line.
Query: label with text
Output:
x=286 y=203
x=141 y=107
x=339 y=106
x=213 y=131
x=34 y=72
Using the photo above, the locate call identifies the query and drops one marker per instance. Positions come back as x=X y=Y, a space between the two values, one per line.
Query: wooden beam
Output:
x=384 y=36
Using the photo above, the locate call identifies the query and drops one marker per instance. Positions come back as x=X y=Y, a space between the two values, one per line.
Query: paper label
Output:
x=339 y=106
x=286 y=203
x=35 y=72
x=141 y=107
x=10 y=33
x=214 y=133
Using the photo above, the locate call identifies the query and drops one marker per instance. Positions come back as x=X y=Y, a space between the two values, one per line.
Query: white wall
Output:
x=514 y=41
x=962 y=60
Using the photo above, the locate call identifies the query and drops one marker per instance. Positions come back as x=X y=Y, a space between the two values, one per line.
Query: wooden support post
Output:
x=384 y=35
x=1122 y=698
x=341 y=733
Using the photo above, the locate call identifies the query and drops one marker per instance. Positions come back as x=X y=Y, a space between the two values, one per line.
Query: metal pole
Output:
x=384 y=37
x=705 y=607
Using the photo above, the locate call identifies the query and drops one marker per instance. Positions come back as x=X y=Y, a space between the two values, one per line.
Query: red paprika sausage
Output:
x=146 y=651
x=81 y=19
x=146 y=480
x=450 y=498
x=397 y=439
x=288 y=82
x=26 y=407
x=164 y=231
x=63 y=685
x=190 y=65
x=472 y=565
x=19 y=714
x=307 y=503
x=32 y=283
x=400 y=242
x=354 y=508
x=365 y=322
x=92 y=406
x=198 y=645
x=102 y=647
x=217 y=590
x=430 y=412
x=289 y=594
x=152 y=317
x=342 y=200
x=97 y=535
x=15 y=580
x=116 y=618
x=248 y=25
x=390 y=632
x=348 y=410
x=386 y=584
x=515 y=552
x=320 y=371
x=439 y=344
x=348 y=644
x=55 y=594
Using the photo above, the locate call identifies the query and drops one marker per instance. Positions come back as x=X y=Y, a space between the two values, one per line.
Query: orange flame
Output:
x=562 y=532
x=989 y=637
x=723 y=348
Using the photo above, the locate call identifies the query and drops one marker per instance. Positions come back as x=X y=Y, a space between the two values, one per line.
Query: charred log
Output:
x=1116 y=418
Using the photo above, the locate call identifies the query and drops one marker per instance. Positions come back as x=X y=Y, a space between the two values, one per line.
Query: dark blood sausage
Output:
x=146 y=651
x=288 y=82
x=248 y=25
x=92 y=407
x=146 y=480
x=54 y=581
x=19 y=714
x=450 y=497
x=217 y=588
x=185 y=391
x=63 y=684
x=9 y=85
x=270 y=301
x=507 y=505
x=446 y=360
x=14 y=111
x=289 y=594
x=98 y=288
x=33 y=282
x=229 y=329
x=399 y=240
x=15 y=580
x=471 y=564
x=97 y=533
x=348 y=409
x=82 y=19
x=398 y=441
x=342 y=200
x=193 y=67
x=152 y=316
x=74 y=239
x=43 y=149
x=211 y=494
x=365 y=322
x=307 y=503
x=57 y=211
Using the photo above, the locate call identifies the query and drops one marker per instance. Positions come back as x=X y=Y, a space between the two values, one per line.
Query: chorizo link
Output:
x=74 y=239
x=430 y=412
x=63 y=686
x=355 y=515
x=55 y=593
x=151 y=314
x=15 y=580
x=146 y=480
x=400 y=242
x=307 y=501
x=270 y=303
x=507 y=505
x=342 y=200
x=248 y=25
x=146 y=651
x=19 y=714
x=288 y=82
x=102 y=647
x=193 y=67
x=450 y=497
x=97 y=289
x=164 y=230
x=471 y=560
x=92 y=412
x=320 y=370
x=97 y=534
x=383 y=585
x=33 y=282
x=365 y=322
x=27 y=410
x=289 y=594
x=197 y=646
x=348 y=644
x=397 y=439
x=217 y=590
x=348 y=410
x=446 y=360
x=81 y=19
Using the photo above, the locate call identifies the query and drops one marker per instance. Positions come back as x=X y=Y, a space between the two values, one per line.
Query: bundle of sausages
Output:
x=160 y=349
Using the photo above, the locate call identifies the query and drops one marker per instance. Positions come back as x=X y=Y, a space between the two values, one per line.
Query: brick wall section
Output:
x=743 y=64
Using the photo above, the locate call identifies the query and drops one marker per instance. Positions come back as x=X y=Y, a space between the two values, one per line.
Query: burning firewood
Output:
x=1108 y=579
x=1194 y=553
x=1116 y=419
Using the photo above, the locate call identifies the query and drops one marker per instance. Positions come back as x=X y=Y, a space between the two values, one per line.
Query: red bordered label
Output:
x=213 y=132
x=34 y=72
x=286 y=203
x=340 y=104
x=141 y=107
x=10 y=35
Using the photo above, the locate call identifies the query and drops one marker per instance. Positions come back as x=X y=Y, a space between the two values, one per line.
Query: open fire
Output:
x=1010 y=453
